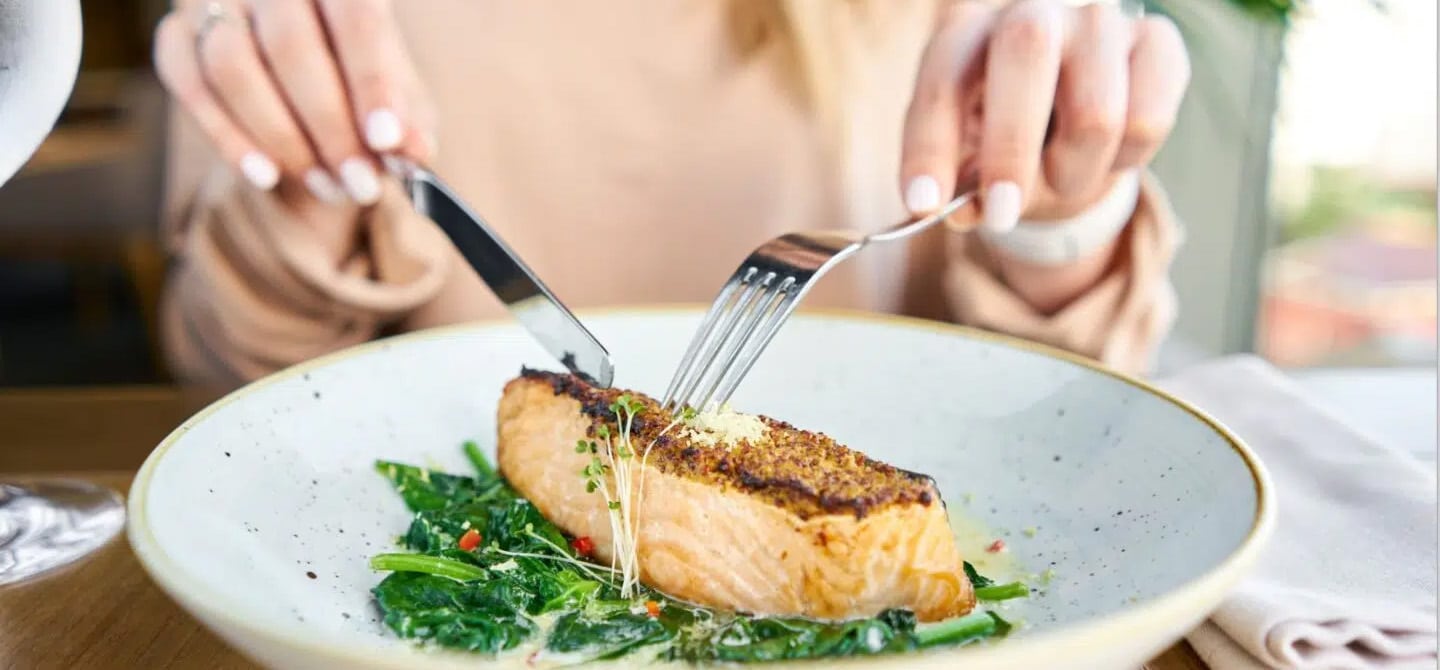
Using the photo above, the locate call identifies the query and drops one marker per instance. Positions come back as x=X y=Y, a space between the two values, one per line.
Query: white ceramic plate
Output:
x=258 y=515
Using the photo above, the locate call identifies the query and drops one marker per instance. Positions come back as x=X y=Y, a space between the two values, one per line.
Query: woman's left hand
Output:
x=1049 y=103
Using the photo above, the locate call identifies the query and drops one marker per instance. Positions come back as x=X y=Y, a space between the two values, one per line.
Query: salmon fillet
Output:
x=794 y=525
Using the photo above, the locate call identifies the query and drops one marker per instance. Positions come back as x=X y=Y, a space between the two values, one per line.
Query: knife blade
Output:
x=532 y=303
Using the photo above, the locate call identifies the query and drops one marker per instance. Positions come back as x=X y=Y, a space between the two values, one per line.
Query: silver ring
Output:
x=215 y=14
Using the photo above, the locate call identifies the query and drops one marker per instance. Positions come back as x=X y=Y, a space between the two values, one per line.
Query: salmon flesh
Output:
x=784 y=522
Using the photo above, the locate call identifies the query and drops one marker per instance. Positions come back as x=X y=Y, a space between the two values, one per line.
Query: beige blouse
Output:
x=627 y=153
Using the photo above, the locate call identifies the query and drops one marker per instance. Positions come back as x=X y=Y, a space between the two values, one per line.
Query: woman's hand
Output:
x=302 y=90
x=1050 y=103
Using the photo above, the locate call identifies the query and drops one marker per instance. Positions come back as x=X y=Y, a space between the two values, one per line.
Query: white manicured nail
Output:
x=922 y=195
x=261 y=171
x=1002 y=206
x=360 y=181
x=382 y=130
x=323 y=187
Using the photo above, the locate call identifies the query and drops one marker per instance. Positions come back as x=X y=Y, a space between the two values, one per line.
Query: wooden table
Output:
x=104 y=612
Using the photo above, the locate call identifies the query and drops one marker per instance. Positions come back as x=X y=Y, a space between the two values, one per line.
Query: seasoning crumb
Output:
x=311 y=574
x=1031 y=531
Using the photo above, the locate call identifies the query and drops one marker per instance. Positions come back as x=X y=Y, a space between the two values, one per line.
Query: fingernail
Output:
x=922 y=194
x=382 y=130
x=261 y=171
x=1002 y=206
x=323 y=187
x=360 y=181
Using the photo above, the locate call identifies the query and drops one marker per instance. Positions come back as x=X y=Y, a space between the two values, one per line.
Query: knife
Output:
x=513 y=282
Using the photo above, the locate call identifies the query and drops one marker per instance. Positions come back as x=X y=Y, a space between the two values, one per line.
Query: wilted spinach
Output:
x=523 y=579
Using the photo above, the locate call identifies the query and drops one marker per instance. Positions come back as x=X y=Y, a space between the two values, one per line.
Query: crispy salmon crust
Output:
x=798 y=525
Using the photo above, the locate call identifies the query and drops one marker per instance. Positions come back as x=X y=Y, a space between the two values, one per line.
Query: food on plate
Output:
x=636 y=562
x=729 y=510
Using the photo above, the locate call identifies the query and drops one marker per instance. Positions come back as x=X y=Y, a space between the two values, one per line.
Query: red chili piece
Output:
x=996 y=547
x=470 y=540
x=652 y=609
x=583 y=545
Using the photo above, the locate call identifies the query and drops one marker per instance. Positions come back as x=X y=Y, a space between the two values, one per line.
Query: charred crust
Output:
x=916 y=476
x=561 y=384
x=568 y=360
x=804 y=472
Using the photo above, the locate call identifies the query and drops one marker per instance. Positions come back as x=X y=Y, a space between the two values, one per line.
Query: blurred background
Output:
x=1304 y=166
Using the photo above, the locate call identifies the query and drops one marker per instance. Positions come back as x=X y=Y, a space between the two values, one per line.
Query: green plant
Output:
x=1274 y=10
x=1268 y=10
x=1342 y=196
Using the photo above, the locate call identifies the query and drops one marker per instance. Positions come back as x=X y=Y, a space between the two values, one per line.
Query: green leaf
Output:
x=1002 y=627
x=977 y=580
x=451 y=613
x=424 y=490
x=606 y=636
x=747 y=639
x=438 y=529
x=518 y=526
x=571 y=595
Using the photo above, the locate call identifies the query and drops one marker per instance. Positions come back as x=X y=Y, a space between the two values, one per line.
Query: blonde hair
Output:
x=802 y=36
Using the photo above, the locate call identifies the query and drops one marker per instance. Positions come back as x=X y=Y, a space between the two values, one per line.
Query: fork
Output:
x=760 y=296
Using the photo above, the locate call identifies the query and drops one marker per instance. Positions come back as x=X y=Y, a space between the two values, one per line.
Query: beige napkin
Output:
x=1349 y=578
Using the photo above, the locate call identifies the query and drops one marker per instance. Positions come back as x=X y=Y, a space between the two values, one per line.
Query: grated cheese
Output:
x=722 y=426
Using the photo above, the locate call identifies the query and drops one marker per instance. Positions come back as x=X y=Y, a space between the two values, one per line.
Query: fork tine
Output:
x=776 y=319
x=715 y=338
x=754 y=317
x=738 y=314
x=703 y=333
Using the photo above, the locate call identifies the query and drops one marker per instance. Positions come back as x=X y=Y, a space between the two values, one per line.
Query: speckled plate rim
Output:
x=1153 y=619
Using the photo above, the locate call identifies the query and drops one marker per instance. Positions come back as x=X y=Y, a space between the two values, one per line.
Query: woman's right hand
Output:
x=309 y=91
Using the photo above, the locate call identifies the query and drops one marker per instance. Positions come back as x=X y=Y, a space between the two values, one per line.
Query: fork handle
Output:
x=968 y=189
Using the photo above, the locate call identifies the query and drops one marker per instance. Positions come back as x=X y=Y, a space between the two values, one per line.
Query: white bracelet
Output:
x=1064 y=242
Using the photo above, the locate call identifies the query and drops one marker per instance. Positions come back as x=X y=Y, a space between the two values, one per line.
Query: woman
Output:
x=636 y=151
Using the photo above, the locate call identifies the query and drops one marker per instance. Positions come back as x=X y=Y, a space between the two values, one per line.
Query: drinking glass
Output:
x=43 y=523
x=47 y=523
